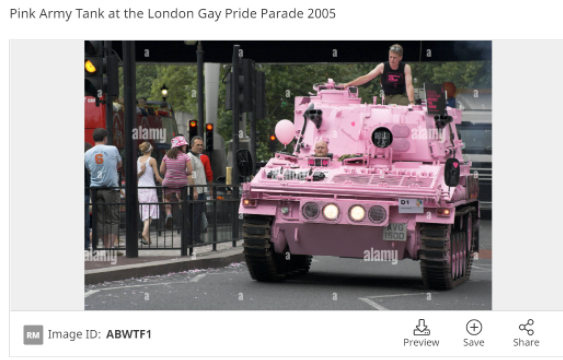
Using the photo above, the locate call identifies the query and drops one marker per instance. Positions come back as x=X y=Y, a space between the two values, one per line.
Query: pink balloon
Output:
x=285 y=131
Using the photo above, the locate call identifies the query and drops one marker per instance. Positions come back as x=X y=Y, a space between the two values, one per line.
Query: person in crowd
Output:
x=208 y=171
x=209 y=176
x=146 y=172
x=176 y=167
x=143 y=105
x=140 y=110
x=103 y=162
x=396 y=79
x=163 y=111
x=200 y=179
x=118 y=103
x=87 y=147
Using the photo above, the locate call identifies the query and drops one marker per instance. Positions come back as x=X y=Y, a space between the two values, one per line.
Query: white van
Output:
x=477 y=135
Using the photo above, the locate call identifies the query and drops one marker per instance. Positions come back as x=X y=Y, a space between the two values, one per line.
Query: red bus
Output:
x=157 y=129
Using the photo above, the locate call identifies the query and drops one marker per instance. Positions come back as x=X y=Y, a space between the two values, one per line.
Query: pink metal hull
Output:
x=410 y=168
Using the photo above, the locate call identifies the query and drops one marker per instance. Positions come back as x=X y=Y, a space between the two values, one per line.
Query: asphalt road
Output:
x=332 y=284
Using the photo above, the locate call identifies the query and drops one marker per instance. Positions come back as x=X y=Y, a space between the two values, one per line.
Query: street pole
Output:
x=235 y=91
x=109 y=101
x=252 y=139
x=200 y=95
x=131 y=195
x=243 y=125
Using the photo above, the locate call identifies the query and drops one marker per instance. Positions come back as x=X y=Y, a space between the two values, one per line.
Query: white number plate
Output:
x=395 y=232
x=411 y=206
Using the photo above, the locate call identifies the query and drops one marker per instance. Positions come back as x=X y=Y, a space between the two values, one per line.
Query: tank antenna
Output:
x=305 y=116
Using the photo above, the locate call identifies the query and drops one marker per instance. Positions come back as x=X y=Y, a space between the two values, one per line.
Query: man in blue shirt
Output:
x=87 y=147
x=103 y=161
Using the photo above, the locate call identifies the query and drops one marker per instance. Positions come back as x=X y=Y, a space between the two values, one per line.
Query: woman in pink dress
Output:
x=146 y=172
x=176 y=168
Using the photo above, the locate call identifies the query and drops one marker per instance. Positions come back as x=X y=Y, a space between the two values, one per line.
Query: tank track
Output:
x=263 y=263
x=439 y=245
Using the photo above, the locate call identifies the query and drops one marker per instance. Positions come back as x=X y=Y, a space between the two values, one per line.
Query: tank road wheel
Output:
x=291 y=264
x=446 y=255
x=258 y=251
x=470 y=226
x=264 y=264
x=463 y=255
x=454 y=254
x=460 y=245
x=304 y=263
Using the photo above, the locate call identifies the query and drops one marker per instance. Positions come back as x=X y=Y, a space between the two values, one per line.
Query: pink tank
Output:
x=393 y=186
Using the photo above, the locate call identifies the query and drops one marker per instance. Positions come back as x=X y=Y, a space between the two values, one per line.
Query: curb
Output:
x=123 y=272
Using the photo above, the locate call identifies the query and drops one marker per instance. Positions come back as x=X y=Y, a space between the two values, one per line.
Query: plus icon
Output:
x=474 y=327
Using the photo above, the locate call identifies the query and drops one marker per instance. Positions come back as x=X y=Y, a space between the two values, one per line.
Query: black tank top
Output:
x=393 y=81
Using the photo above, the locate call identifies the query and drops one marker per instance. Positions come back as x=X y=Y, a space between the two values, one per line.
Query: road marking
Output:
x=373 y=304
x=384 y=296
x=314 y=260
x=480 y=268
x=91 y=292
x=197 y=278
x=380 y=307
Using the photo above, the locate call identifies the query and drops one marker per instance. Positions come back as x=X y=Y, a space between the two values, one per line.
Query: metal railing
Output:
x=221 y=211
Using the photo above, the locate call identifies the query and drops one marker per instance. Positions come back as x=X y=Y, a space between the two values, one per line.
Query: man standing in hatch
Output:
x=396 y=78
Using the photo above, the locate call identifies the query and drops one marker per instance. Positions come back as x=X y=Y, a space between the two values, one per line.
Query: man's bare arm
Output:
x=191 y=181
x=408 y=81
x=365 y=78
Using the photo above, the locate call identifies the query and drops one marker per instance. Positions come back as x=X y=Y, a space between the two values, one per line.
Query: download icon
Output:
x=421 y=329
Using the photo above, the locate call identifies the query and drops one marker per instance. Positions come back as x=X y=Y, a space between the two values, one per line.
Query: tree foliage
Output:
x=285 y=82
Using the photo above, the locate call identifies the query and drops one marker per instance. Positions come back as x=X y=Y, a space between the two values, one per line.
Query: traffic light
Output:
x=193 y=129
x=260 y=95
x=272 y=143
x=95 y=66
x=247 y=83
x=209 y=137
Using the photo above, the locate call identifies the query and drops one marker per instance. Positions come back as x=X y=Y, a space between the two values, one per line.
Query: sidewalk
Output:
x=100 y=268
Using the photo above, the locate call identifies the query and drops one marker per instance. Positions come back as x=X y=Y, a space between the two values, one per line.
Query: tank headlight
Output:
x=310 y=211
x=249 y=202
x=357 y=213
x=330 y=212
x=377 y=214
x=443 y=212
